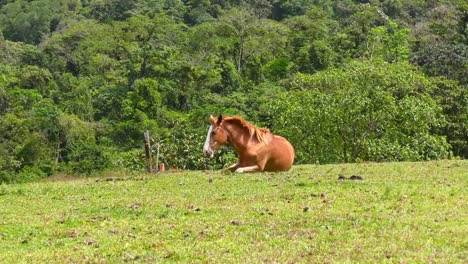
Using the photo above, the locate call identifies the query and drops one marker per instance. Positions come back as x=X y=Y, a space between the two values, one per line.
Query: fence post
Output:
x=149 y=161
x=157 y=157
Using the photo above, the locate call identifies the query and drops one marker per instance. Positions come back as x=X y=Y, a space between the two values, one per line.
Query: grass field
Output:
x=398 y=213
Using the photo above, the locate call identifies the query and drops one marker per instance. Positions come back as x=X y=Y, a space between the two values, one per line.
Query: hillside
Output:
x=399 y=212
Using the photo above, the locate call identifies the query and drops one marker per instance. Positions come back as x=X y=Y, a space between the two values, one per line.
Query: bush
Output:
x=29 y=173
x=132 y=160
x=184 y=149
x=88 y=158
x=368 y=111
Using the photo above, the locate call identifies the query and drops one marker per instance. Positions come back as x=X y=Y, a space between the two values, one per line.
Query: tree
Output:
x=250 y=40
x=110 y=10
x=453 y=98
x=385 y=113
x=311 y=49
x=389 y=43
x=30 y=21
x=354 y=35
x=18 y=53
x=198 y=11
x=448 y=60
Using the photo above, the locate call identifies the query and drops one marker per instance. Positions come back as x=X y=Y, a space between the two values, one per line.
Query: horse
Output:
x=259 y=150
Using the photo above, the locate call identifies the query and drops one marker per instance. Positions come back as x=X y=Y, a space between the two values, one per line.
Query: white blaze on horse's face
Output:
x=206 y=148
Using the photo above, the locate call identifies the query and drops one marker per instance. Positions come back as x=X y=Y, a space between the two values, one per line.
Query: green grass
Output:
x=399 y=213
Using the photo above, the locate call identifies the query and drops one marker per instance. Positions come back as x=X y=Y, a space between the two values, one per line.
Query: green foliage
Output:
x=446 y=60
x=87 y=158
x=110 y=10
x=26 y=21
x=80 y=81
x=183 y=148
x=311 y=49
x=389 y=43
x=453 y=98
x=276 y=70
x=144 y=97
x=385 y=113
x=17 y=53
x=31 y=21
x=133 y=160
x=29 y=173
x=358 y=30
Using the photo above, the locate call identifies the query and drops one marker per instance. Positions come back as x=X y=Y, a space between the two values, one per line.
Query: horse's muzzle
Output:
x=208 y=152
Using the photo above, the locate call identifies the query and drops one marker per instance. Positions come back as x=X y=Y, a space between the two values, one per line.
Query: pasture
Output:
x=399 y=213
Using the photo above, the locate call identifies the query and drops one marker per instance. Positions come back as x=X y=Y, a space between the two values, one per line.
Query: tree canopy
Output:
x=344 y=81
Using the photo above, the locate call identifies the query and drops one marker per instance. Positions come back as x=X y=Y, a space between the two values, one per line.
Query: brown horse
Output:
x=258 y=148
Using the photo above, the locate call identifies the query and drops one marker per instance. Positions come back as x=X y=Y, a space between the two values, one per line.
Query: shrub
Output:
x=368 y=111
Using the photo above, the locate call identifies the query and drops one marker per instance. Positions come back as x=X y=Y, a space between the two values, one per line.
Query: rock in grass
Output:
x=236 y=222
x=356 y=178
x=91 y=242
x=353 y=178
x=324 y=197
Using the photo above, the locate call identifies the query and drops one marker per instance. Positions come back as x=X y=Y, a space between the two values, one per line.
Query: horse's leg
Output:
x=233 y=167
x=248 y=169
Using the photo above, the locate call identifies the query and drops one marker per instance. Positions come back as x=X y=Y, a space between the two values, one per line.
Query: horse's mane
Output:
x=257 y=132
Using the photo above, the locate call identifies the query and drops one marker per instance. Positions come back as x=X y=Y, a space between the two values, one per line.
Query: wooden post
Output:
x=157 y=157
x=149 y=160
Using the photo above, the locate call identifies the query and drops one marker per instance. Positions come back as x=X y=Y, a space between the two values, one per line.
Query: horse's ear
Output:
x=213 y=120
x=220 y=119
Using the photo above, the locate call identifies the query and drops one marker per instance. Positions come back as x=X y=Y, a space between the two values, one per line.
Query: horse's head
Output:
x=216 y=136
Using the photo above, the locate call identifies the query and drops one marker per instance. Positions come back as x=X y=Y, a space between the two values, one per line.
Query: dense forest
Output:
x=344 y=81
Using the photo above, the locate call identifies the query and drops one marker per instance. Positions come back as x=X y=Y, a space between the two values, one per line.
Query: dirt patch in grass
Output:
x=63 y=178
